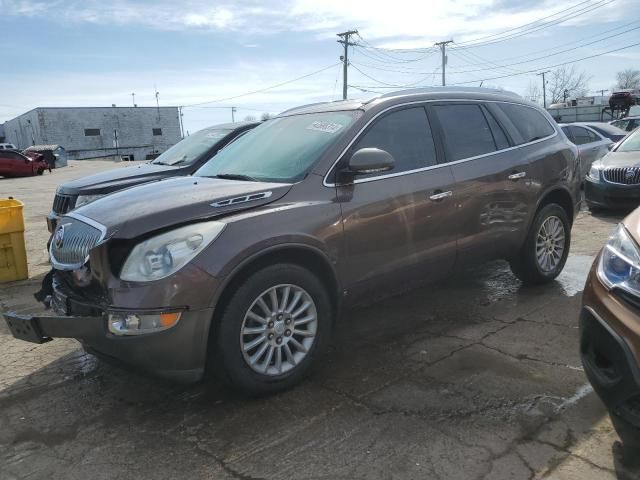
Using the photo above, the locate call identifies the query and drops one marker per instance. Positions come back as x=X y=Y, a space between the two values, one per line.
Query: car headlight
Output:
x=163 y=255
x=619 y=264
x=85 y=199
x=594 y=171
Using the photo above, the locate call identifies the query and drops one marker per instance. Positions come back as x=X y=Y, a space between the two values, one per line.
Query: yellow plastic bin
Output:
x=13 y=254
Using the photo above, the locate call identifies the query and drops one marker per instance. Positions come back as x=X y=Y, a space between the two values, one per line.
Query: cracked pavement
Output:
x=473 y=378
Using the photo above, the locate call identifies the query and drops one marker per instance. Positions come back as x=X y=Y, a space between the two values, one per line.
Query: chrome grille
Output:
x=71 y=243
x=63 y=203
x=622 y=175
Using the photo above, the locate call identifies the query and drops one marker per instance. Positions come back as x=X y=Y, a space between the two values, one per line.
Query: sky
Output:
x=96 y=52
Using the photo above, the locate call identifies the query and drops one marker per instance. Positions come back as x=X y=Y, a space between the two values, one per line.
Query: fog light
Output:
x=139 y=324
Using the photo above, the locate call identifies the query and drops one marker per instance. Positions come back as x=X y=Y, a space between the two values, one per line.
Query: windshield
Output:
x=280 y=150
x=631 y=143
x=191 y=148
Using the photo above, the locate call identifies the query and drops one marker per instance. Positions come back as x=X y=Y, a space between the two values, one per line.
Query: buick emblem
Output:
x=58 y=238
x=629 y=174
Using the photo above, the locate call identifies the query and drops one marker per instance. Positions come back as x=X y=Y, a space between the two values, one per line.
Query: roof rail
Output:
x=453 y=89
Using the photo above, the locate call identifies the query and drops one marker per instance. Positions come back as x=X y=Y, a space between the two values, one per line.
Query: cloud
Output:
x=410 y=19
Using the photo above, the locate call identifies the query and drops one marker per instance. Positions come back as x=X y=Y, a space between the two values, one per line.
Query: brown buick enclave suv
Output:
x=242 y=269
x=610 y=331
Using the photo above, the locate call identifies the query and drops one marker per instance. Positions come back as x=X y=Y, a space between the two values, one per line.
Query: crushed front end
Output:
x=160 y=326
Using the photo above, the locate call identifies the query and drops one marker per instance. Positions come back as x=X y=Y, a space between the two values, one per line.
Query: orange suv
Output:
x=610 y=331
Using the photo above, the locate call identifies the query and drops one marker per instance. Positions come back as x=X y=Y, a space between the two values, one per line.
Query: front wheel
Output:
x=272 y=328
x=546 y=247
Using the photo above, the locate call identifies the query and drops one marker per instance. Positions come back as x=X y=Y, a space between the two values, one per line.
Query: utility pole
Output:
x=233 y=114
x=345 y=37
x=157 y=101
x=443 y=49
x=565 y=94
x=544 y=88
x=181 y=124
x=133 y=96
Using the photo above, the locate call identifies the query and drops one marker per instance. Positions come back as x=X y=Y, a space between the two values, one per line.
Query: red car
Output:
x=14 y=164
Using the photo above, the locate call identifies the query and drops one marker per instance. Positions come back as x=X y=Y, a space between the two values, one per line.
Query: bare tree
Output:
x=533 y=92
x=265 y=116
x=628 y=78
x=566 y=82
x=250 y=118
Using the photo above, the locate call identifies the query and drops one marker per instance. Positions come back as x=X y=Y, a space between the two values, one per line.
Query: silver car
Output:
x=591 y=145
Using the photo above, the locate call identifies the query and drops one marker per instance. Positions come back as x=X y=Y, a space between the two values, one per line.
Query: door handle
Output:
x=440 y=195
x=516 y=176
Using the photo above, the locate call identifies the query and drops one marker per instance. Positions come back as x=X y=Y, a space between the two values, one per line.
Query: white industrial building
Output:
x=95 y=132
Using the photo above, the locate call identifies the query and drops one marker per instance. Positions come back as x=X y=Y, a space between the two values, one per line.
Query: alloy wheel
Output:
x=550 y=244
x=278 y=329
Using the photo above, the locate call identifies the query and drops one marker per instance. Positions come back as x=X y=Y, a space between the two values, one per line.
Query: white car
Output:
x=7 y=146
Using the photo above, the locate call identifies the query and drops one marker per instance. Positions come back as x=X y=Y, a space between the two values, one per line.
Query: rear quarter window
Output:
x=530 y=123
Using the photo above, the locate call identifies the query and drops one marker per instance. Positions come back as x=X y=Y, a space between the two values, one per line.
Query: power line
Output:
x=550 y=66
x=537 y=28
x=549 y=55
x=487 y=62
x=499 y=34
x=392 y=84
x=263 y=89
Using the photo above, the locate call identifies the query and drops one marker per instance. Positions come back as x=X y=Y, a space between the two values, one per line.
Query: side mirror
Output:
x=370 y=160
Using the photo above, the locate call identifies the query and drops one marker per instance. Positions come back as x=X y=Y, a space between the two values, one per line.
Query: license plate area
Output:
x=26 y=328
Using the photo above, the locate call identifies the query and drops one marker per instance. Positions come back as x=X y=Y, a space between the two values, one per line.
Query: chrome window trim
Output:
x=326 y=183
x=81 y=218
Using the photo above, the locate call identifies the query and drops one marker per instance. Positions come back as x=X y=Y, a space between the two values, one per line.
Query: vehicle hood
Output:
x=621 y=159
x=119 y=178
x=175 y=201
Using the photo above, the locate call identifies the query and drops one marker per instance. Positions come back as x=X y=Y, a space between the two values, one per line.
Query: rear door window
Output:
x=499 y=137
x=406 y=135
x=466 y=131
x=530 y=123
x=580 y=135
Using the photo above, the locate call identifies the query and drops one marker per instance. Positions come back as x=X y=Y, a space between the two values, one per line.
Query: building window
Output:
x=157 y=132
x=91 y=132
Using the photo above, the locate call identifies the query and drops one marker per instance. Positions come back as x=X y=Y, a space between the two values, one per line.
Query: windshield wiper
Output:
x=235 y=176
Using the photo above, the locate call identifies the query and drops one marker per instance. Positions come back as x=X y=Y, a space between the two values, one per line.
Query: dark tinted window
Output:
x=406 y=135
x=499 y=136
x=530 y=123
x=91 y=132
x=580 y=135
x=567 y=132
x=466 y=131
x=157 y=132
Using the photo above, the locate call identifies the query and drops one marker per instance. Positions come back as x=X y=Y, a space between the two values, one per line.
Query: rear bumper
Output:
x=611 y=195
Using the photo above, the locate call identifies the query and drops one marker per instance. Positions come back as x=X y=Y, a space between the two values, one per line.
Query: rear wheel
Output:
x=40 y=171
x=546 y=248
x=272 y=328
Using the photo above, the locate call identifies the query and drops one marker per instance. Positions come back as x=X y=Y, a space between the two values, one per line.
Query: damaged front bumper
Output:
x=177 y=353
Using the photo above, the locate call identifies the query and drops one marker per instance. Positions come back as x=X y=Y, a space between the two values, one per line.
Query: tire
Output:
x=40 y=171
x=527 y=267
x=231 y=363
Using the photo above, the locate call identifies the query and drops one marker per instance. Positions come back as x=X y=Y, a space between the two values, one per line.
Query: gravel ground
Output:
x=476 y=377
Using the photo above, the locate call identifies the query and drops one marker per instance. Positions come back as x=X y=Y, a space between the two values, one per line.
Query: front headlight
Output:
x=163 y=255
x=620 y=262
x=86 y=199
x=594 y=171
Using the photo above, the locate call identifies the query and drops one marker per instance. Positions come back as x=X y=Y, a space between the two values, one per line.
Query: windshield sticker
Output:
x=214 y=135
x=326 y=127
